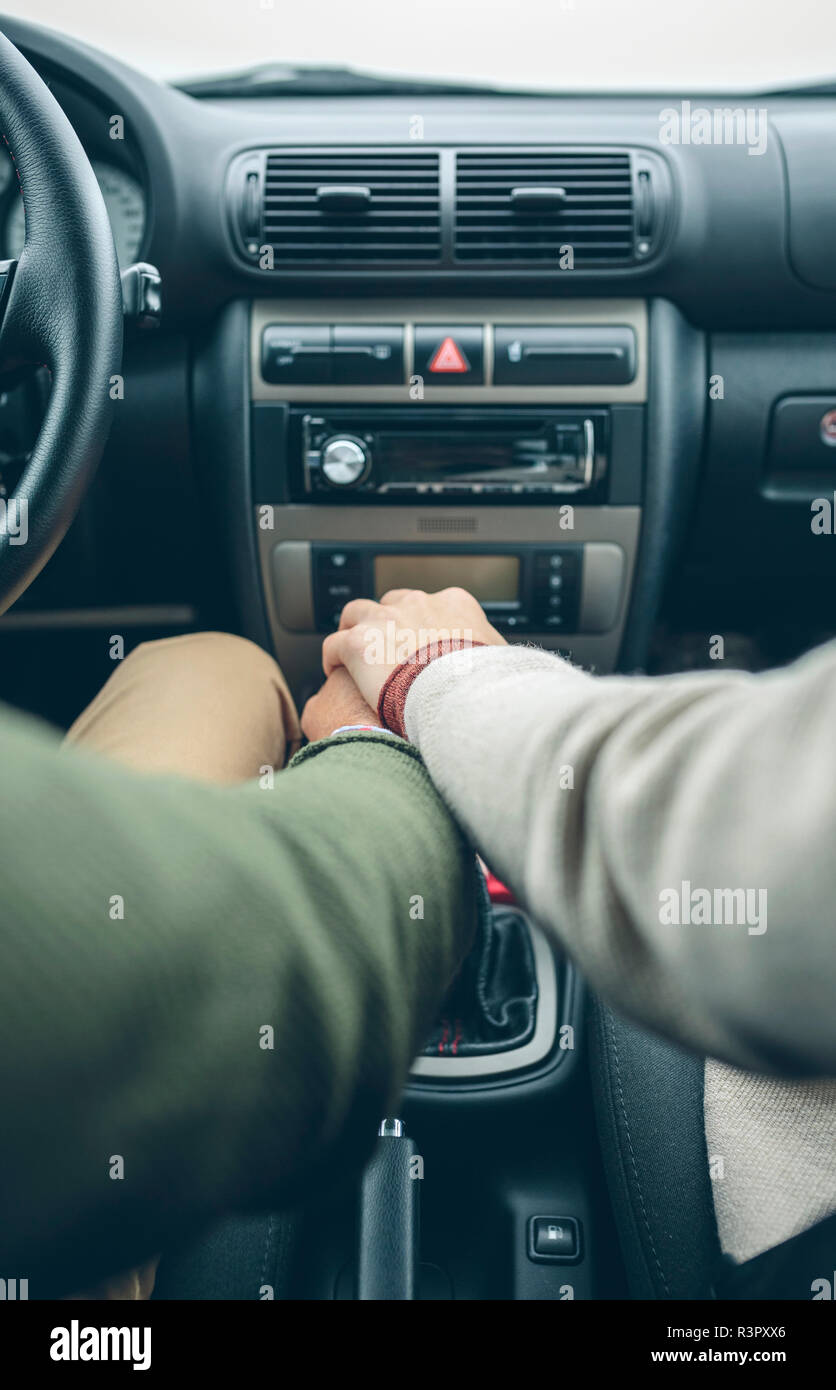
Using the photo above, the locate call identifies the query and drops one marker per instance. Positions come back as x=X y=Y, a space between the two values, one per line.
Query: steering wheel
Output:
x=60 y=307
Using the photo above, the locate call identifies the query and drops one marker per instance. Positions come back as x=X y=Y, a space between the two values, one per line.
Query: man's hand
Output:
x=374 y=638
x=338 y=702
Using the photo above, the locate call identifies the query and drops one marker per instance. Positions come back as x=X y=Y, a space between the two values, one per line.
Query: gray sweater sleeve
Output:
x=677 y=835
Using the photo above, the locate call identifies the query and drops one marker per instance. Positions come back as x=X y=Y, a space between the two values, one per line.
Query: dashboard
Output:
x=541 y=339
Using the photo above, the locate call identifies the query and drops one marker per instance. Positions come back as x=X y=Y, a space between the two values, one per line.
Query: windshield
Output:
x=551 y=45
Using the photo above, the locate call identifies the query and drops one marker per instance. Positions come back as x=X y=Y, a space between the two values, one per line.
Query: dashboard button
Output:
x=452 y=356
x=552 y=356
x=297 y=354
x=803 y=435
x=340 y=560
x=340 y=590
x=367 y=355
x=554 y=1238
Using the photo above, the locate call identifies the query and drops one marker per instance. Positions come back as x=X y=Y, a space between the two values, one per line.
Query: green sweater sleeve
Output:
x=208 y=995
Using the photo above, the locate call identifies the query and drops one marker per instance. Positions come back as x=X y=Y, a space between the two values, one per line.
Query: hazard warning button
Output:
x=449 y=356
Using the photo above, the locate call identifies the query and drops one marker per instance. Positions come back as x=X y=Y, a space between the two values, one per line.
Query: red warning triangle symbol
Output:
x=449 y=358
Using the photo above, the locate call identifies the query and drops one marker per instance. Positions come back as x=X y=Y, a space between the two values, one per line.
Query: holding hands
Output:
x=373 y=639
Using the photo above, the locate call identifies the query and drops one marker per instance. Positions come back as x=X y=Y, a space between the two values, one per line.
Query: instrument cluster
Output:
x=124 y=199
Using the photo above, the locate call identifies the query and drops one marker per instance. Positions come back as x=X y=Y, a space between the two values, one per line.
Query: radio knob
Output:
x=345 y=460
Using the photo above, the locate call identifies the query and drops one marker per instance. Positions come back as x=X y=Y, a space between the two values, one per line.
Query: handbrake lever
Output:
x=389 y=1227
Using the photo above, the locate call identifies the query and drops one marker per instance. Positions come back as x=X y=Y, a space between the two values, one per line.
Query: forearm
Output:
x=252 y=1012
x=594 y=797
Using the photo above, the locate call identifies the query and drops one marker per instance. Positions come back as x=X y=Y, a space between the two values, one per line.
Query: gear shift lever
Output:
x=492 y=1005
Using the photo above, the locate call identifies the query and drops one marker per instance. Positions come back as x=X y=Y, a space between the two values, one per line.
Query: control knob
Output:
x=345 y=461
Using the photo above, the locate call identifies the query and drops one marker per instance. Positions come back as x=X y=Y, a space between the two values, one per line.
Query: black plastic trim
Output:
x=676 y=413
x=221 y=406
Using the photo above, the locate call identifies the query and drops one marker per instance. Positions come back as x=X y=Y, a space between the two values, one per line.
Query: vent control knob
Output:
x=345 y=461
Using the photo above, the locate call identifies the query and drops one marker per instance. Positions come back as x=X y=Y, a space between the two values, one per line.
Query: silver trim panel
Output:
x=602 y=586
x=300 y=652
x=604 y=313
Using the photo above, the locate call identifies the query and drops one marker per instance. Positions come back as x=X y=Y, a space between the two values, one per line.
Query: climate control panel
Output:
x=521 y=588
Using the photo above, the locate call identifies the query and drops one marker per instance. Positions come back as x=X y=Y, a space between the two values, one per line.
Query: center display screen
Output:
x=490 y=578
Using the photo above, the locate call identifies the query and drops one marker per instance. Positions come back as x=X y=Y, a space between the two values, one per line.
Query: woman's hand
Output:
x=375 y=638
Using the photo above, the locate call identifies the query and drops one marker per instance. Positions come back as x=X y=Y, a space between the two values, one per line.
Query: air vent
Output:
x=352 y=207
x=526 y=207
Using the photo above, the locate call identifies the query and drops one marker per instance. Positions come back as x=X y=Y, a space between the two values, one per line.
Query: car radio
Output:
x=430 y=453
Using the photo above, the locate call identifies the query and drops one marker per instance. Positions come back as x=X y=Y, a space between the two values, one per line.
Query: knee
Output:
x=221 y=652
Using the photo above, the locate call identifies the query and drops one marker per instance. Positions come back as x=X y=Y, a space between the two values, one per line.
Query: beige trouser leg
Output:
x=208 y=706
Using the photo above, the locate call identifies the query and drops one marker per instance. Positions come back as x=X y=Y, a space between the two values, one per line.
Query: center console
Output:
x=544 y=454
x=415 y=444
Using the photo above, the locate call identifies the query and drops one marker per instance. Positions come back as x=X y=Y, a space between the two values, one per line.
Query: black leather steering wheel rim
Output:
x=62 y=308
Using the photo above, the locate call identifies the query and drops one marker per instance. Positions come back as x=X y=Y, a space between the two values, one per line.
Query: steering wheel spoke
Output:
x=24 y=339
x=8 y=351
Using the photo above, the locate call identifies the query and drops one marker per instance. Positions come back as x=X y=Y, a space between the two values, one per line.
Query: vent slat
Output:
x=337 y=234
x=625 y=234
x=596 y=219
x=309 y=204
x=504 y=186
x=401 y=224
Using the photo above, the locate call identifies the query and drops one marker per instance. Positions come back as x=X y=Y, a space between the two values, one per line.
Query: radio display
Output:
x=539 y=454
x=408 y=457
x=489 y=578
